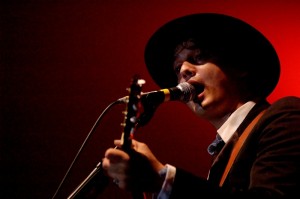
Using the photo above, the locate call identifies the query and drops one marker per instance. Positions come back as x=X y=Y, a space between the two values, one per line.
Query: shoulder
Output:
x=280 y=124
x=282 y=114
x=292 y=100
x=289 y=103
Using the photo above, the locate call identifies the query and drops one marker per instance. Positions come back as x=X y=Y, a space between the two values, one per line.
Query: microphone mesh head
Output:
x=188 y=91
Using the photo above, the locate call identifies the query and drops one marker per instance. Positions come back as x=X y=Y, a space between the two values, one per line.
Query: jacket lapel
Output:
x=220 y=160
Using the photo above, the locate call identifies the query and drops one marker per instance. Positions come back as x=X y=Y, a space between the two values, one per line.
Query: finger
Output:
x=139 y=146
x=116 y=155
x=118 y=143
x=135 y=144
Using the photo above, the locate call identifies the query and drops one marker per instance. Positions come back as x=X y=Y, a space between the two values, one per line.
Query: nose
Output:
x=187 y=70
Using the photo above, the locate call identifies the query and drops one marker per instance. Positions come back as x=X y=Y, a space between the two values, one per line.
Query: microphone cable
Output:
x=84 y=143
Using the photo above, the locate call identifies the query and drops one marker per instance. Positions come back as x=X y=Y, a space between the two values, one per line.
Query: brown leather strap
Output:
x=238 y=146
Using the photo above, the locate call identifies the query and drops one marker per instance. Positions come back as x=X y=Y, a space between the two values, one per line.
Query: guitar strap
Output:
x=238 y=146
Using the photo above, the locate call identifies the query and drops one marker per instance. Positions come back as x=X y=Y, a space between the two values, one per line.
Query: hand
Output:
x=135 y=170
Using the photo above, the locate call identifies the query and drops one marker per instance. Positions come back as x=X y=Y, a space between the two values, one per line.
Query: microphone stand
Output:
x=92 y=179
x=91 y=186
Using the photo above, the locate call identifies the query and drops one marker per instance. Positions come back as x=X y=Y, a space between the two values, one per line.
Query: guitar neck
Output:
x=131 y=114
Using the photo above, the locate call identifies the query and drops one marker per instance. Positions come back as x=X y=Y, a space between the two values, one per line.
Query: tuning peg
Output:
x=140 y=82
x=133 y=119
x=134 y=107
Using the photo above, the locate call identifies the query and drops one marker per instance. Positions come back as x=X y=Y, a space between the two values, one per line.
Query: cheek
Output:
x=215 y=79
x=211 y=72
x=224 y=88
x=218 y=86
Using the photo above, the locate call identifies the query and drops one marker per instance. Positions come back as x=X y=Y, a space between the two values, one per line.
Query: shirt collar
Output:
x=234 y=121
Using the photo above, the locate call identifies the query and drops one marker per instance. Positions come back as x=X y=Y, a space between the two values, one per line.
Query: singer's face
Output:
x=220 y=96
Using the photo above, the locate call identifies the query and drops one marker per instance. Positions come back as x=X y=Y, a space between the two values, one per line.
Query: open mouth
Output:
x=199 y=88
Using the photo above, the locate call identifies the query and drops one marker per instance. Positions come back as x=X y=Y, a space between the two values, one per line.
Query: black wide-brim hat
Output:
x=236 y=40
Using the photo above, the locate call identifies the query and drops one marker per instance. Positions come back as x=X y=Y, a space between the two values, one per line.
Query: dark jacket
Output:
x=267 y=166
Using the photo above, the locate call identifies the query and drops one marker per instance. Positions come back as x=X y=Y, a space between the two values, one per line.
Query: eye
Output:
x=199 y=60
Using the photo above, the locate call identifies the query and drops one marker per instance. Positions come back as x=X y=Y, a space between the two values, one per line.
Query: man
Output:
x=238 y=68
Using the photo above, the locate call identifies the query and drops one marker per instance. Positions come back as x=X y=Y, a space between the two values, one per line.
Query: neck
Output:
x=217 y=123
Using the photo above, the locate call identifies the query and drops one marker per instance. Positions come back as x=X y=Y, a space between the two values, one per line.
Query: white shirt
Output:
x=225 y=131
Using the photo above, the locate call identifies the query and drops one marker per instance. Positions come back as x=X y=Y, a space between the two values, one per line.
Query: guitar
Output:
x=132 y=113
x=96 y=181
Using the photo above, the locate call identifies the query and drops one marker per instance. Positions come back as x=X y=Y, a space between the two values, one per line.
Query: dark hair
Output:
x=192 y=44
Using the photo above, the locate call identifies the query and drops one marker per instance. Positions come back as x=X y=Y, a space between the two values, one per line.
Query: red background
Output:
x=63 y=62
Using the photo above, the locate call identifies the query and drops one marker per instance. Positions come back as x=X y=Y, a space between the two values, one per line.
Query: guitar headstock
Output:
x=132 y=111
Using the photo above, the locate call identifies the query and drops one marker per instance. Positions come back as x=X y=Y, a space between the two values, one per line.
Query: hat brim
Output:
x=233 y=36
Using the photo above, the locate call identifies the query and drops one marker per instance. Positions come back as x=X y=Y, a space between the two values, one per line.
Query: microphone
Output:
x=183 y=92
